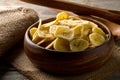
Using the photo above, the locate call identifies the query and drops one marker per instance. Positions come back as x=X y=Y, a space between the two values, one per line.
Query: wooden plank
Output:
x=107 y=4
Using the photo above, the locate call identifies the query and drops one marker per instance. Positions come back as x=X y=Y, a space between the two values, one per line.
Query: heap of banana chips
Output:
x=68 y=33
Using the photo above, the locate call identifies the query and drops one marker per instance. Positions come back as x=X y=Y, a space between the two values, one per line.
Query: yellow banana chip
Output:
x=61 y=15
x=77 y=30
x=32 y=31
x=50 y=23
x=86 y=29
x=93 y=24
x=98 y=30
x=64 y=32
x=96 y=39
x=53 y=28
x=61 y=45
x=44 y=34
x=78 y=44
x=71 y=23
x=35 y=37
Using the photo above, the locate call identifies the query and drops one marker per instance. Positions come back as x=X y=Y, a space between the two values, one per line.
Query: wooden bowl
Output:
x=68 y=62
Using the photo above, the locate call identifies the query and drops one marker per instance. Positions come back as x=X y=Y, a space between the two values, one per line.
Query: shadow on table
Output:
x=4 y=67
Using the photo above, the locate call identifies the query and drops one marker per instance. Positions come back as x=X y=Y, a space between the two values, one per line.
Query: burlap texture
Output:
x=20 y=61
x=13 y=24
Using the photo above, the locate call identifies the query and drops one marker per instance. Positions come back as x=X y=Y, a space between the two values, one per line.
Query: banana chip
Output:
x=96 y=39
x=77 y=30
x=61 y=45
x=35 y=37
x=64 y=32
x=53 y=28
x=85 y=30
x=92 y=24
x=98 y=30
x=71 y=23
x=32 y=31
x=78 y=45
x=61 y=15
x=50 y=23
x=44 y=34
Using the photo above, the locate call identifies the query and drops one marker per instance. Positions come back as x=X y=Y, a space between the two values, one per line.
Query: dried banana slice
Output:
x=64 y=32
x=98 y=30
x=78 y=44
x=69 y=22
x=92 y=24
x=49 y=24
x=77 y=30
x=43 y=33
x=61 y=45
x=86 y=29
x=96 y=39
x=85 y=37
x=32 y=31
x=35 y=37
x=53 y=28
x=62 y=15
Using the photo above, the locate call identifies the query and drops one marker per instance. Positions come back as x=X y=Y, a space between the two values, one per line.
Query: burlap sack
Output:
x=13 y=24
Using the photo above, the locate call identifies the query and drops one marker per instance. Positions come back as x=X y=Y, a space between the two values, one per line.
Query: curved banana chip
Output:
x=53 y=28
x=96 y=39
x=50 y=24
x=61 y=15
x=69 y=22
x=98 y=30
x=77 y=30
x=86 y=29
x=78 y=44
x=35 y=37
x=44 y=34
x=32 y=31
x=85 y=37
x=65 y=33
x=92 y=24
x=61 y=45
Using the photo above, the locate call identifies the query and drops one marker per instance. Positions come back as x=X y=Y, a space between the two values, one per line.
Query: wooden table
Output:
x=7 y=72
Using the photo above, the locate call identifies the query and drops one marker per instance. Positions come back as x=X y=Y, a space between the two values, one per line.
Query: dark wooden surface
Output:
x=7 y=72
